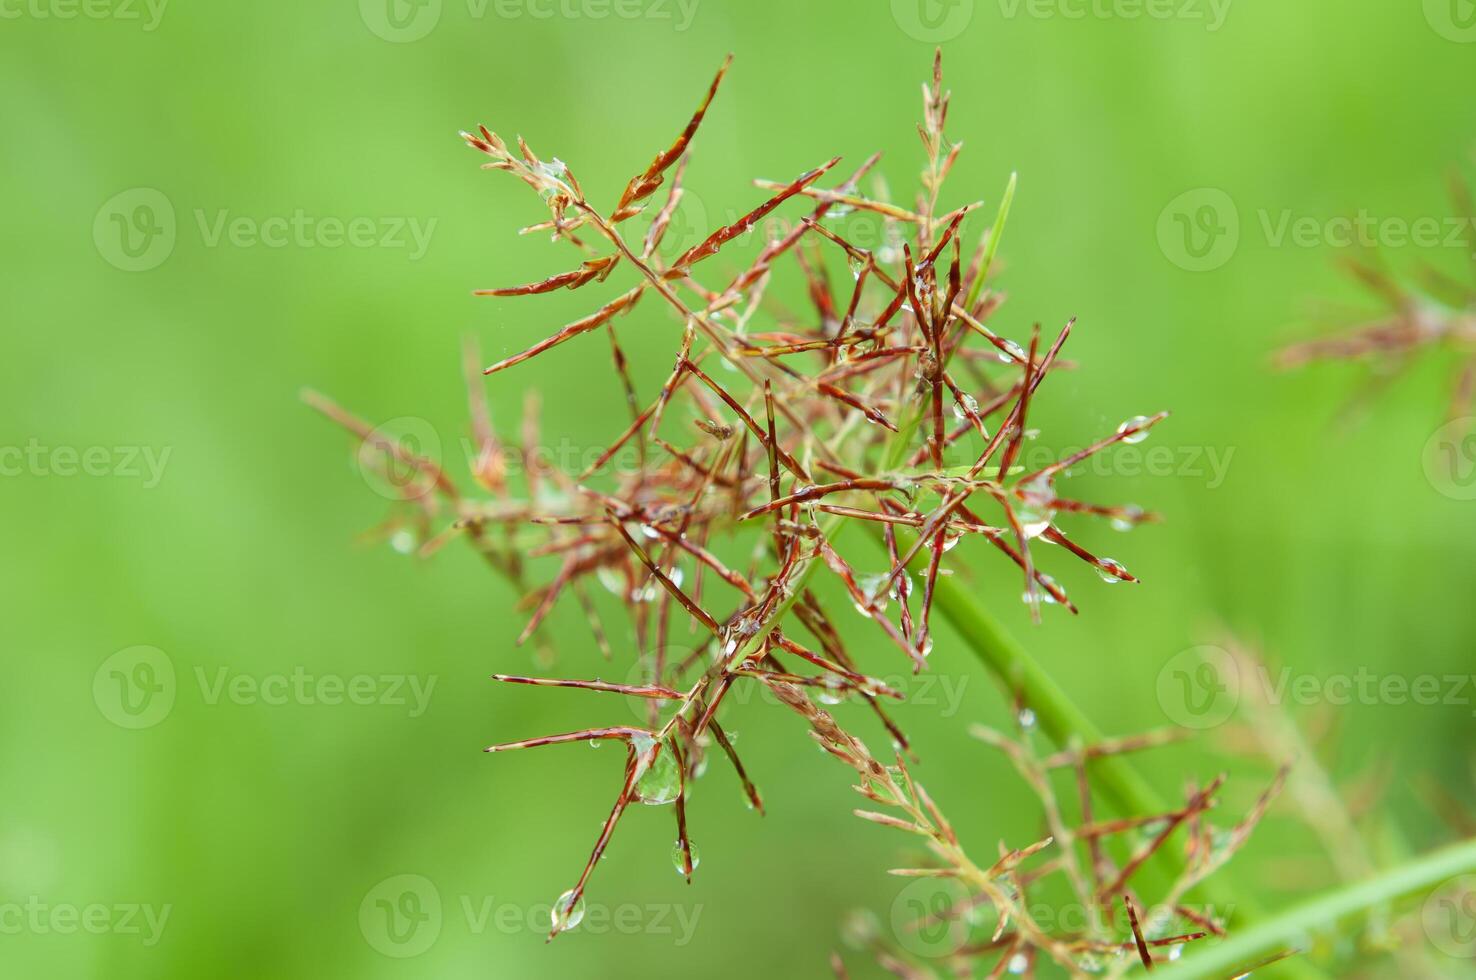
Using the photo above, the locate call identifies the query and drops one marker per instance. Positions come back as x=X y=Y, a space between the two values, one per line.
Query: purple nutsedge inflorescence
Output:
x=891 y=407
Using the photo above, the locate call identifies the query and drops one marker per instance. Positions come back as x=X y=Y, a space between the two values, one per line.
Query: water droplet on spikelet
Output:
x=1110 y=570
x=1134 y=423
x=679 y=857
x=567 y=913
x=658 y=781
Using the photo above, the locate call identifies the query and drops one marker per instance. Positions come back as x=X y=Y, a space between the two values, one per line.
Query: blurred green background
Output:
x=164 y=336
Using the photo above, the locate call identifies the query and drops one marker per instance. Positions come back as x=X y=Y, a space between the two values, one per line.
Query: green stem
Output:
x=1291 y=928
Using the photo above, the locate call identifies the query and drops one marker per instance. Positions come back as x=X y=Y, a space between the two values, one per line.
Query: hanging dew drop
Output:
x=875 y=589
x=567 y=913
x=403 y=541
x=1036 y=508
x=1175 y=952
x=1027 y=719
x=832 y=691
x=679 y=857
x=1110 y=570
x=611 y=580
x=659 y=782
x=967 y=408
x=1131 y=424
x=1019 y=963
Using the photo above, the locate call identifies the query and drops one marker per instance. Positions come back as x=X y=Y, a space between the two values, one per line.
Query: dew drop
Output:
x=679 y=857
x=1027 y=719
x=1019 y=963
x=874 y=587
x=1036 y=509
x=1110 y=570
x=611 y=580
x=832 y=690
x=1175 y=952
x=968 y=407
x=659 y=782
x=567 y=913
x=1134 y=423
x=403 y=541
x=860 y=927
